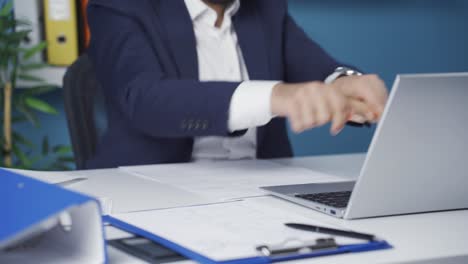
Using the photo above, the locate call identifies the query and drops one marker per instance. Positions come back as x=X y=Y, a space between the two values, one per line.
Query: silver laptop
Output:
x=417 y=160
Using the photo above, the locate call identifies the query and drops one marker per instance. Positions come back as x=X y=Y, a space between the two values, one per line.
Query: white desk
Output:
x=420 y=238
x=440 y=237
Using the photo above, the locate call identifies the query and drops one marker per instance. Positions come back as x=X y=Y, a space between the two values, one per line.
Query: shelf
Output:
x=52 y=75
x=32 y=10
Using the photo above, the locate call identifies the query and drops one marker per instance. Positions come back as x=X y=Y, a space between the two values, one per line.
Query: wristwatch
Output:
x=341 y=72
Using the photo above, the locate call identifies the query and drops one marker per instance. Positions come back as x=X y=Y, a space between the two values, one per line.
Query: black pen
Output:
x=331 y=231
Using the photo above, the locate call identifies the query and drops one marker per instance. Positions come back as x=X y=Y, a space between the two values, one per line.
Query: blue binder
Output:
x=343 y=249
x=31 y=209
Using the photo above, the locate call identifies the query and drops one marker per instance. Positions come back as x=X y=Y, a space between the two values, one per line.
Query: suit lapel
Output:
x=178 y=29
x=252 y=41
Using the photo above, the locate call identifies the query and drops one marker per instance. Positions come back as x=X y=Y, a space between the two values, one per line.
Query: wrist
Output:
x=278 y=93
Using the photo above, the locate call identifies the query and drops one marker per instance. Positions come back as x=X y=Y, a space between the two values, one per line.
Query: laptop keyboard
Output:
x=334 y=199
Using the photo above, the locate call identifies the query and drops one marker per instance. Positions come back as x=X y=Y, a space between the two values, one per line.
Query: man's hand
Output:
x=313 y=104
x=367 y=94
x=309 y=105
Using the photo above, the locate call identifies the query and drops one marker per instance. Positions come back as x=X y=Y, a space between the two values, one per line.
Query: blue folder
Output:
x=27 y=205
x=343 y=249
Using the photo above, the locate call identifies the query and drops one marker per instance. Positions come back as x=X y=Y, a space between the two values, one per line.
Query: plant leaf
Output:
x=22 y=22
x=58 y=166
x=40 y=105
x=32 y=66
x=14 y=66
x=18 y=119
x=6 y=24
x=62 y=150
x=29 y=115
x=15 y=37
x=66 y=159
x=19 y=166
x=22 y=157
x=6 y=9
x=34 y=50
x=35 y=159
x=30 y=78
x=38 y=90
x=10 y=50
x=17 y=137
x=45 y=146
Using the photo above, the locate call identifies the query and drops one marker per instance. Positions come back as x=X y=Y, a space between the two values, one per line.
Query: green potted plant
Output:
x=23 y=105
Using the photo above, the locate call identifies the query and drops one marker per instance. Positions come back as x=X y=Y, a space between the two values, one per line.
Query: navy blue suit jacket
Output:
x=145 y=57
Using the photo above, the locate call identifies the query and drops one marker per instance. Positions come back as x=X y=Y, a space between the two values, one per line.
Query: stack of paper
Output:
x=228 y=180
x=154 y=187
x=128 y=193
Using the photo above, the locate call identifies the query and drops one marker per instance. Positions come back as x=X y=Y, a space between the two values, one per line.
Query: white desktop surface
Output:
x=414 y=237
x=440 y=237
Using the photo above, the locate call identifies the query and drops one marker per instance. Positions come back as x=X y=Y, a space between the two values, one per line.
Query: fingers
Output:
x=322 y=106
x=361 y=112
x=381 y=93
x=341 y=111
x=357 y=119
x=375 y=93
x=309 y=116
x=318 y=106
x=304 y=112
x=310 y=105
x=379 y=88
x=369 y=89
x=295 y=116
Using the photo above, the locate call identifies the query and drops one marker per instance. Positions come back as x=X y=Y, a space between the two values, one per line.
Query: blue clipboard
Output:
x=343 y=249
x=26 y=204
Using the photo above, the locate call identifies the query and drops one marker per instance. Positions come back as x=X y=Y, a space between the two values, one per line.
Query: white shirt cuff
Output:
x=251 y=105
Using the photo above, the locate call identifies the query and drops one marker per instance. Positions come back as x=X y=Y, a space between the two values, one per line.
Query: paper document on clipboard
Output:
x=227 y=231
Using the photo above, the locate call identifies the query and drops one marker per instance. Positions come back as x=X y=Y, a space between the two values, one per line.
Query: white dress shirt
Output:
x=220 y=59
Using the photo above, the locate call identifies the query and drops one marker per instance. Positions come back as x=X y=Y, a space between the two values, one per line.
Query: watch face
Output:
x=344 y=71
x=341 y=72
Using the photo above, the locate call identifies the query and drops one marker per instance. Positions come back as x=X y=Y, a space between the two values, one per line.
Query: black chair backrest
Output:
x=81 y=92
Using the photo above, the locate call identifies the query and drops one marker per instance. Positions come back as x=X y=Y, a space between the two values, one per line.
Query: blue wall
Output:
x=384 y=37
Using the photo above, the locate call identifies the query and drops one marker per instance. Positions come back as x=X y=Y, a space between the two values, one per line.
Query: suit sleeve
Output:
x=134 y=83
x=304 y=59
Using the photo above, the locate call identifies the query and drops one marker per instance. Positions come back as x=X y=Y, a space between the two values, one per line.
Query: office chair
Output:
x=84 y=109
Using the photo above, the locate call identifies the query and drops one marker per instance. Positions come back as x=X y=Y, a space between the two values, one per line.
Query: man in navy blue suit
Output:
x=215 y=79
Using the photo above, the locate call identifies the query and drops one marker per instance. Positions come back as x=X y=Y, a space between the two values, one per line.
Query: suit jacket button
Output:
x=183 y=124
x=190 y=124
